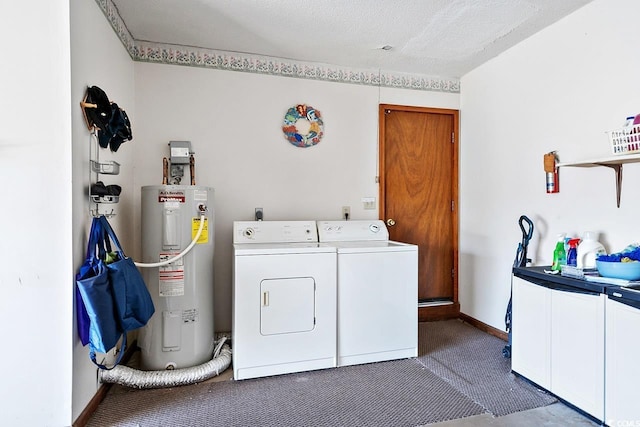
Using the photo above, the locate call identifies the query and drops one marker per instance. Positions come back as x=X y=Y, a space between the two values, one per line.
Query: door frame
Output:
x=434 y=312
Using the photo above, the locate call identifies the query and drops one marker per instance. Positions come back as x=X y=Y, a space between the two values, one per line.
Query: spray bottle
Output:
x=559 y=254
x=572 y=255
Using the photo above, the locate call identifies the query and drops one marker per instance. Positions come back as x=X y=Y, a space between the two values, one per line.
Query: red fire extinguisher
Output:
x=551 y=172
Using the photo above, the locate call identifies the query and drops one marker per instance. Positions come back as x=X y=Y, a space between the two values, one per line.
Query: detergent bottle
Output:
x=559 y=254
x=588 y=250
x=572 y=255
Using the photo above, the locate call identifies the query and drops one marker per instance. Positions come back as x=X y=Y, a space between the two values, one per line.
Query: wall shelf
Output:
x=613 y=162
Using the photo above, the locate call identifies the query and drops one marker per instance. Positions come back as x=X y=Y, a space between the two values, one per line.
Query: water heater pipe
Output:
x=135 y=378
x=181 y=254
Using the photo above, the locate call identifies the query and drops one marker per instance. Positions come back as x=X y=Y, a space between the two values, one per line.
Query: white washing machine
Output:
x=284 y=299
x=377 y=292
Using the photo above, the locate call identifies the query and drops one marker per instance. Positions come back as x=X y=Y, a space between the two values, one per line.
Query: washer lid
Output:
x=340 y=231
x=364 y=246
x=282 y=248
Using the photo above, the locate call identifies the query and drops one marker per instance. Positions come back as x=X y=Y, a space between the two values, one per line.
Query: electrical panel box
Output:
x=180 y=152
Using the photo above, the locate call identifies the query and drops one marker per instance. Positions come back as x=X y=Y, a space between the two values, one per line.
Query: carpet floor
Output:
x=472 y=362
x=459 y=372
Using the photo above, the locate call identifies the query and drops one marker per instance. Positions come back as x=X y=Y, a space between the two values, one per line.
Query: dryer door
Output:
x=288 y=305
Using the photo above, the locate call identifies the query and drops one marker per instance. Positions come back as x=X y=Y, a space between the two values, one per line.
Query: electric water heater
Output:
x=181 y=332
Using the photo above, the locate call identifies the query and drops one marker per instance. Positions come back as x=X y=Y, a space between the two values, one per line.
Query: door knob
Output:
x=391 y=222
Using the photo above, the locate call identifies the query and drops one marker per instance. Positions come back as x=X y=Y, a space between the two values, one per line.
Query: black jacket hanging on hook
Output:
x=117 y=131
x=110 y=121
x=96 y=108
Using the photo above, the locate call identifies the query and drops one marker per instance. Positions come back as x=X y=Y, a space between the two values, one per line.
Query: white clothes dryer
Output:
x=284 y=299
x=377 y=292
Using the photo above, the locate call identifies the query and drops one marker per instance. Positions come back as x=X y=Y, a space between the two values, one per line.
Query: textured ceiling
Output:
x=445 y=38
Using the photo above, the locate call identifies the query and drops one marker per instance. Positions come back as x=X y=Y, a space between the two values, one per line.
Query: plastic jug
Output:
x=588 y=250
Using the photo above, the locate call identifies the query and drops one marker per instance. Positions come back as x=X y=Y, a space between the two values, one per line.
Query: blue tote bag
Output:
x=87 y=270
x=94 y=286
x=133 y=302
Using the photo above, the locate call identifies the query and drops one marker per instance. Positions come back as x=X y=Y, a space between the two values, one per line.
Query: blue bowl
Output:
x=619 y=270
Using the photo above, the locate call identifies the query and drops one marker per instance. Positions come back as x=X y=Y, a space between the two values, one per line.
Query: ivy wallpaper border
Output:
x=144 y=51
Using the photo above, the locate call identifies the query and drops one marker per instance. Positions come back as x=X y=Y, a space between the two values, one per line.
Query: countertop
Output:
x=627 y=295
x=556 y=281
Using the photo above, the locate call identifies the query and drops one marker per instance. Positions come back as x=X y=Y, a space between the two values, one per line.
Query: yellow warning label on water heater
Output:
x=195 y=226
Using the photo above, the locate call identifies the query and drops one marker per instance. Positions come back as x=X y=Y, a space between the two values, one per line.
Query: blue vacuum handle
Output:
x=526 y=235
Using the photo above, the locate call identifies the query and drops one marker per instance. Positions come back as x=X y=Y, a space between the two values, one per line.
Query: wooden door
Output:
x=419 y=190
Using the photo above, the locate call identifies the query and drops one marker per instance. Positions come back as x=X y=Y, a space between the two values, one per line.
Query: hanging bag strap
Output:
x=92 y=354
x=101 y=241
x=94 y=235
x=110 y=234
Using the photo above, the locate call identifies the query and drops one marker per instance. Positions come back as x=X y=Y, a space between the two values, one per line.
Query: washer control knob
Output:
x=374 y=228
x=248 y=232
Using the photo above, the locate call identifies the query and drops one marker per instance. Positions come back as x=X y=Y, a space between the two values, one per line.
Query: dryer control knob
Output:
x=248 y=232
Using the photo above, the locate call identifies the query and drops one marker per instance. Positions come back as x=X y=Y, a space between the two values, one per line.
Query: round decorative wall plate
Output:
x=303 y=126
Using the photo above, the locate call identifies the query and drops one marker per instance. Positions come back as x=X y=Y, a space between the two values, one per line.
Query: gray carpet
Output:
x=460 y=372
x=398 y=393
x=472 y=362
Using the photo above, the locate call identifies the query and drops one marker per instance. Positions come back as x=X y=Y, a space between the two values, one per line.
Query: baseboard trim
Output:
x=484 y=327
x=91 y=407
x=102 y=391
x=439 y=312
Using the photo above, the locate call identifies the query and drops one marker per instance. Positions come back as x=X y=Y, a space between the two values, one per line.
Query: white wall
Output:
x=234 y=122
x=35 y=223
x=97 y=58
x=559 y=90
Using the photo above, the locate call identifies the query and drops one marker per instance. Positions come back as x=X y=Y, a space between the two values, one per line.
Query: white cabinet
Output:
x=558 y=342
x=622 y=364
x=531 y=333
x=577 y=349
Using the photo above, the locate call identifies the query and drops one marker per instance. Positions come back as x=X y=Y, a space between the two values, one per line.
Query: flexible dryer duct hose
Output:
x=135 y=378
